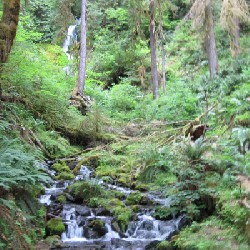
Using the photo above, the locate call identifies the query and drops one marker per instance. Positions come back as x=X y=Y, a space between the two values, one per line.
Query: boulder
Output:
x=82 y=210
x=115 y=226
x=102 y=212
x=95 y=229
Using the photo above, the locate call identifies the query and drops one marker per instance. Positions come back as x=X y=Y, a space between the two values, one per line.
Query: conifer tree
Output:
x=8 y=27
x=202 y=17
x=233 y=12
x=154 y=71
x=83 y=49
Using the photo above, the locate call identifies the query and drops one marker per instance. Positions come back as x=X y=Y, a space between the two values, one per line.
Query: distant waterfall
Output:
x=71 y=37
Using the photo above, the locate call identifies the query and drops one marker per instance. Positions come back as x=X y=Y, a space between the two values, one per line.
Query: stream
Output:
x=143 y=231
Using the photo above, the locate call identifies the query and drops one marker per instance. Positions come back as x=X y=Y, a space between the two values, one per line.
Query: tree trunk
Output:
x=8 y=27
x=210 y=41
x=235 y=42
x=163 y=69
x=83 y=50
x=163 y=63
x=154 y=73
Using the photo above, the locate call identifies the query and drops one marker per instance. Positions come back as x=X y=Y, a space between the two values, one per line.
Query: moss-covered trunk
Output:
x=8 y=27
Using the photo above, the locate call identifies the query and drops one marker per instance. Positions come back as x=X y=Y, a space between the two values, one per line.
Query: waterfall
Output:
x=71 y=37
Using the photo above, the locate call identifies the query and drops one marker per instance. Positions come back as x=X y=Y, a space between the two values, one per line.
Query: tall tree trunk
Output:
x=8 y=27
x=235 y=40
x=163 y=62
x=154 y=73
x=210 y=41
x=83 y=50
x=163 y=57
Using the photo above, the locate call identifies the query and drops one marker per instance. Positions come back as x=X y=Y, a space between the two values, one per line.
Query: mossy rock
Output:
x=135 y=208
x=115 y=202
x=124 y=179
x=96 y=224
x=123 y=216
x=84 y=191
x=91 y=161
x=134 y=198
x=117 y=194
x=65 y=176
x=60 y=167
x=95 y=229
x=55 y=226
x=61 y=198
x=96 y=202
x=141 y=187
x=164 y=245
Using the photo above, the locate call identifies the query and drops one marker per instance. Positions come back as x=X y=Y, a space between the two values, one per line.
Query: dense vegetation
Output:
x=135 y=140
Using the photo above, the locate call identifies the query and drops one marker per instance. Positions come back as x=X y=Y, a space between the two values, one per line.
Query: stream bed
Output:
x=143 y=231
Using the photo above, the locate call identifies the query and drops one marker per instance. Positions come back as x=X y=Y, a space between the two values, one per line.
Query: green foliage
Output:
x=55 y=226
x=164 y=245
x=61 y=198
x=195 y=152
x=60 y=167
x=43 y=87
x=65 y=176
x=165 y=213
x=17 y=166
x=94 y=123
x=210 y=234
x=123 y=216
x=40 y=16
x=83 y=190
x=231 y=211
x=134 y=198
x=156 y=162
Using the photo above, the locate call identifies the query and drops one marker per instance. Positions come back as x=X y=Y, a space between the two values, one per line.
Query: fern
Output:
x=17 y=166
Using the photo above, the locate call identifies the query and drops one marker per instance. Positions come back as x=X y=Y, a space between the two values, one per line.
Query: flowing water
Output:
x=143 y=230
x=71 y=37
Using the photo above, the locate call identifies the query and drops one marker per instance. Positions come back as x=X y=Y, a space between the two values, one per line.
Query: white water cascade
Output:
x=143 y=230
x=71 y=37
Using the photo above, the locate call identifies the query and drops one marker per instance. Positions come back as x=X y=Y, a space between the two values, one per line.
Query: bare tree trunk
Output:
x=235 y=42
x=163 y=63
x=210 y=41
x=154 y=73
x=83 y=50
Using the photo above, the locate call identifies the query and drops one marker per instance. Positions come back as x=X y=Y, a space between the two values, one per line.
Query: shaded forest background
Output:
x=145 y=139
